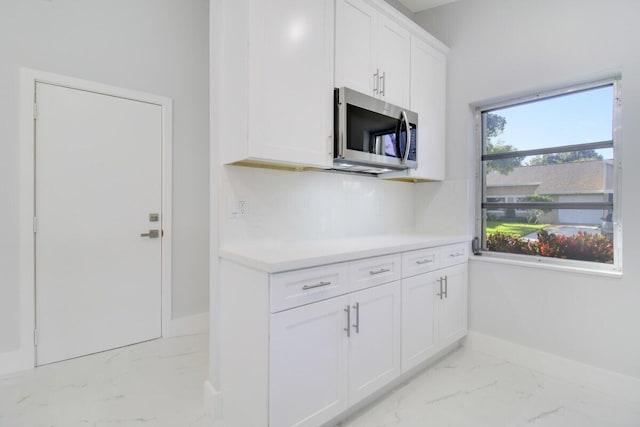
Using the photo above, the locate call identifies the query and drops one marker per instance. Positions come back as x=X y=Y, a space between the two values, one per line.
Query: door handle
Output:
x=152 y=234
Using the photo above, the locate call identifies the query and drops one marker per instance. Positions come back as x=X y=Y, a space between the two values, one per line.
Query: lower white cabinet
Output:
x=301 y=347
x=308 y=365
x=434 y=313
x=450 y=305
x=418 y=335
x=374 y=346
x=331 y=354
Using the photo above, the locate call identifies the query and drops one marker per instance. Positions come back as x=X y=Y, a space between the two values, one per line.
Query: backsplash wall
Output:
x=283 y=205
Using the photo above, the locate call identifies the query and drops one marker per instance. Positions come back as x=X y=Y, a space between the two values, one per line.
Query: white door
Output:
x=308 y=363
x=98 y=178
x=374 y=347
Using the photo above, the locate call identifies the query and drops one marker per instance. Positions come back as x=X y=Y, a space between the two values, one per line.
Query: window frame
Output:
x=616 y=204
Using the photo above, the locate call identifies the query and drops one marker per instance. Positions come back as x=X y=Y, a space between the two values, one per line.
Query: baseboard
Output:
x=613 y=383
x=16 y=361
x=188 y=325
x=212 y=401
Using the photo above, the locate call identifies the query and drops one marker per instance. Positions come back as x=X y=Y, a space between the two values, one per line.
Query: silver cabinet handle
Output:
x=382 y=270
x=317 y=285
x=441 y=293
x=457 y=254
x=382 y=81
x=348 y=328
x=357 y=324
x=152 y=234
x=424 y=261
x=446 y=286
x=407 y=143
x=376 y=79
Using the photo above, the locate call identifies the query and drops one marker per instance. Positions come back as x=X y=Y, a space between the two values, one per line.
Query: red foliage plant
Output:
x=583 y=246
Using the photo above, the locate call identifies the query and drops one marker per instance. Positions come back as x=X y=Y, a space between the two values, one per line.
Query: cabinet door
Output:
x=291 y=81
x=356 y=26
x=393 y=50
x=428 y=91
x=451 y=304
x=308 y=363
x=418 y=340
x=374 y=347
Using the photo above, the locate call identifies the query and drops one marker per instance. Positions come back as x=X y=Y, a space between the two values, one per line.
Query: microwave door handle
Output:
x=407 y=144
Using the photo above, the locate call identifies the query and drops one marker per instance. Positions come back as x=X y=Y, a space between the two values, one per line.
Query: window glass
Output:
x=548 y=176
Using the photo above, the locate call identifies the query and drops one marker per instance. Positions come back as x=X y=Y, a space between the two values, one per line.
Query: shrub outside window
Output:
x=549 y=176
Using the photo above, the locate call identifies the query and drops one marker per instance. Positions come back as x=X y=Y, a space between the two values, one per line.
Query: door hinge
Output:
x=35 y=111
x=35 y=337
x=35 y=224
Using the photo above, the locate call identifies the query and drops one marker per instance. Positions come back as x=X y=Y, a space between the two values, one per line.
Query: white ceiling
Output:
x=420 y=5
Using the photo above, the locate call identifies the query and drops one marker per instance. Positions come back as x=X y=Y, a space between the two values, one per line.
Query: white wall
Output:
x=311 y=205
x=154 y=46
x=501 y=48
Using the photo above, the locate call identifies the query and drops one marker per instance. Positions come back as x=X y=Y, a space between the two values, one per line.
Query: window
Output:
x=548 y=177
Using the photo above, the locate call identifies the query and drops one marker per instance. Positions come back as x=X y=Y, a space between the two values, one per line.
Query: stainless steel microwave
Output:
x=372 y=136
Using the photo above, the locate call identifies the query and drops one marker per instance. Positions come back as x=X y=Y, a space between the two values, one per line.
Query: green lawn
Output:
x=512 y=228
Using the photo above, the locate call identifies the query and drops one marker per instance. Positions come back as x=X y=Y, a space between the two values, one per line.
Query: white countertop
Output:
x=278 y=256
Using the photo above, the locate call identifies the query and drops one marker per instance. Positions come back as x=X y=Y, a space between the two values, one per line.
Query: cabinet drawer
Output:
x=374 y=271
x=454 y=254
x=420 y=261
x=298 y=287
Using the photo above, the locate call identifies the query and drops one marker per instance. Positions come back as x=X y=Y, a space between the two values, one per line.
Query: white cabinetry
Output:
x=434 y=302
x=374 y=346
x=428 y=99
x=300 y=347
x=273 y=97
x=450 y=305
x=332 y=354
x=372 y=52
x=418 y=336
x=309 y=360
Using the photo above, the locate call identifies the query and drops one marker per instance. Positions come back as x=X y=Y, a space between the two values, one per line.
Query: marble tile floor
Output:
x=155 y=383
x=471 y=389
x=160 y=384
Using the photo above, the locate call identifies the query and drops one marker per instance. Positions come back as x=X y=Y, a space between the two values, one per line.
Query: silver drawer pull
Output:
x=424 y=261
x=317 y=285
x=457 y=254
x=382 y=270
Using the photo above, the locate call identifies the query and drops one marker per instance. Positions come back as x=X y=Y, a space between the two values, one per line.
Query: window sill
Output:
x=548 y=264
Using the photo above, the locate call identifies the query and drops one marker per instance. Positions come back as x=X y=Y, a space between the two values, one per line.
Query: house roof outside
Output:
x=564 y=178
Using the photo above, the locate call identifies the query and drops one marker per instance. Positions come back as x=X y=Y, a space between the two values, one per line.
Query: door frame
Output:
x=26 y=355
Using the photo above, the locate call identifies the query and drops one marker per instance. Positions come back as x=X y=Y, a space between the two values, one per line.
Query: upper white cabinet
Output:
x=274 y=86
x=372 y=52
x=428 y=99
